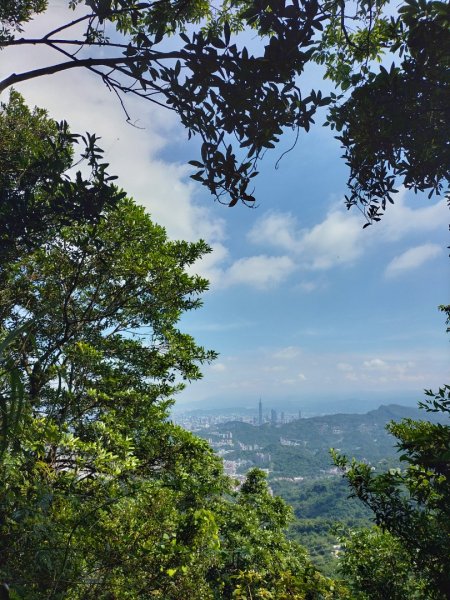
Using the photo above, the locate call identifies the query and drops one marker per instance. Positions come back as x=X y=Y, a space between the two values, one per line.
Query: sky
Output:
x=305 y=308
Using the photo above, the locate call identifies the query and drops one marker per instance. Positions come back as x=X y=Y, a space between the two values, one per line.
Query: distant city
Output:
x=293 y=447
x=223 y=443
x=197 y=421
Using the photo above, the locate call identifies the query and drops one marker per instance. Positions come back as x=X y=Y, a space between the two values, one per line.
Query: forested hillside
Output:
x=301 y=448
x=301 y=469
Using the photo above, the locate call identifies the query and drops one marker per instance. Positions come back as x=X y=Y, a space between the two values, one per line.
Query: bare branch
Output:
x=88 y=63
x=67 y=26
x=45 y=40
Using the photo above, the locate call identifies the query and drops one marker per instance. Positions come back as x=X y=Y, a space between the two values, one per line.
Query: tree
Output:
x=393 y=127
x=102 y=495
x=392 y=123
x=37 y=195
x=94 y=447
x=413 y=504
x=376 y=566
x=257 y=560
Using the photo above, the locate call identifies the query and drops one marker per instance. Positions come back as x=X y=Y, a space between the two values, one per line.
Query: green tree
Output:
x=257 y=560
x=376 y=566
x=95 y=454
x=392 y=122
x=413 y=504
x=37 y=195
x=102 y=495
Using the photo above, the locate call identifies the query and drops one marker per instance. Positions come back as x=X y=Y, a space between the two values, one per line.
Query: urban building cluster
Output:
x=198 y=421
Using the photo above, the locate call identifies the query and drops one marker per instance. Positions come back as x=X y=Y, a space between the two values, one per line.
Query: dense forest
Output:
x=101 y=494
x=301 y=470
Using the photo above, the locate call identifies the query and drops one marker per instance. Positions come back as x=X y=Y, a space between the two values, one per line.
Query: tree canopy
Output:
x=37 y=194
x=103 y=496
x=392 y=121
x=412 y=503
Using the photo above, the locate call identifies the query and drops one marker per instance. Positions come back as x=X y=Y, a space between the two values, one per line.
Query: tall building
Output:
x=260 y=417
x=273 y=416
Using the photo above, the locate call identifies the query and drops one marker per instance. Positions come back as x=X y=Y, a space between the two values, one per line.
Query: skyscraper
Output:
x=273 y=416
x=260 y=419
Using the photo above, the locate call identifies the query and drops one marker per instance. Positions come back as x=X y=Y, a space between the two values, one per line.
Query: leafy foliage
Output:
x=376 y=566
x=258 y=561
x=392 y=122
x=102 y=495
x=94 y=446
x=13 y=13
x=37 y=195
x=413 y=504
x=394 y=126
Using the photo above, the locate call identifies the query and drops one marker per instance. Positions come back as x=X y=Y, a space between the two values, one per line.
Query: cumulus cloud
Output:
x=413 y=258
x=260 y=271
x=338 y=239
x=287 y=353
x=402 y=219
x=276 y=229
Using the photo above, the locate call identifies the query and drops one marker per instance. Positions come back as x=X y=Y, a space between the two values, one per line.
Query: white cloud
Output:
x=276 y=229
x=412 y=259
x=260 y=271
x=338 y=239
x=351 y=376
x=401 y=219
x=375 y=363
x=345 y=367
x=376 y=370
x=309 y=286
x=219 y=367
x=287 y=353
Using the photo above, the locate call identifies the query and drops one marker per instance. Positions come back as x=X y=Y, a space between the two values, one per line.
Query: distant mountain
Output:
x=301 y=471
x=301 y=448
x=311 y=405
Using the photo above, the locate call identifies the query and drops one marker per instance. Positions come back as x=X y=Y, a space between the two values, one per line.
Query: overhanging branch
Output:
x=88 y=63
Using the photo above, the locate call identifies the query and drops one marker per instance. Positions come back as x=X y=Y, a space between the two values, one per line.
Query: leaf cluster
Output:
x=412 y=503
x=37 y=193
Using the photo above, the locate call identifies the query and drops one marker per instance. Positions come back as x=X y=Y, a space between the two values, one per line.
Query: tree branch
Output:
x=49 y=42
x=88 y=63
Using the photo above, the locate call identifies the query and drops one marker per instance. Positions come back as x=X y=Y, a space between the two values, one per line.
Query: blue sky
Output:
x=304 y=305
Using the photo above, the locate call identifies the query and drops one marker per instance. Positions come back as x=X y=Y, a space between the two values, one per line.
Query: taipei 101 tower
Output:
x=260 y=421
